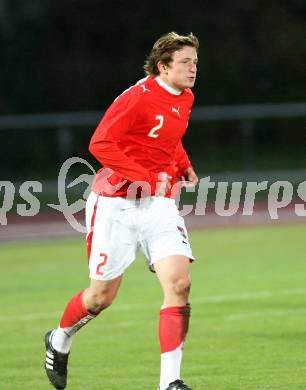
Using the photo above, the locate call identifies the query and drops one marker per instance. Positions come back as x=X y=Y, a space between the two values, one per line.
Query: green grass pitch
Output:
x=248 y=328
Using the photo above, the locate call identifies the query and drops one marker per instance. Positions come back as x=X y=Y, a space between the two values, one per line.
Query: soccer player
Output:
x=138 y=141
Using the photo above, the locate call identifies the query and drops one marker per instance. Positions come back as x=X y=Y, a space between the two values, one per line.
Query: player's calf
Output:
x=101 y=294
x=97 y=301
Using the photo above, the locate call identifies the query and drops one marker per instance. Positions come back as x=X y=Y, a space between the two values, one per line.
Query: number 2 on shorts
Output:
x=100 y=265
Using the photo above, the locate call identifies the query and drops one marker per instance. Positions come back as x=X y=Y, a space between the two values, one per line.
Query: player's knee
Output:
x=182 y=286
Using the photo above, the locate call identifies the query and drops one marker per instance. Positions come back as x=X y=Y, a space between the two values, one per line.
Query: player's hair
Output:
x=163 y=49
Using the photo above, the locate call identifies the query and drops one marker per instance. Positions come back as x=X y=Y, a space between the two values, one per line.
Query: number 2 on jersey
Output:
x=153 y=131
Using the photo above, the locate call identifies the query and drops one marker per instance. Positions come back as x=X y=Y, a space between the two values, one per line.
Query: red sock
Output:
x=173 y=327
x=75 y=315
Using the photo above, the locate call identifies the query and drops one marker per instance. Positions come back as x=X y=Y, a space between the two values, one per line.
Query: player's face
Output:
x=181 y=72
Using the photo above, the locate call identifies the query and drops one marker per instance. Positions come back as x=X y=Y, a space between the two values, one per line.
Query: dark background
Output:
x=58 y=56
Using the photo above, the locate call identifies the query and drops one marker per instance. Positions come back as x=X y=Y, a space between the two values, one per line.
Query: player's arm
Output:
x=120 y=117
x=185 y=169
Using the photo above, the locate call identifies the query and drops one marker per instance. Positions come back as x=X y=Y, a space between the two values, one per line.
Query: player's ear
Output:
x=162 y=67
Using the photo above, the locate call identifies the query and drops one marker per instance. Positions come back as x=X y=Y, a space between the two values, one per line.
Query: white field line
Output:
x=265 y=314
x=52 y=315
x=244 y=296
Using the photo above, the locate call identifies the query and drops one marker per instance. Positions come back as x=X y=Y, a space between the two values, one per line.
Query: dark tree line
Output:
x=78 y=55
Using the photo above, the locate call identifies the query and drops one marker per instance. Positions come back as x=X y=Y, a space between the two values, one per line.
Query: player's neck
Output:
x=167 y=87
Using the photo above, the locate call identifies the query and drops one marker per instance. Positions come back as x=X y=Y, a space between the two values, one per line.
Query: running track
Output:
x=54 y=226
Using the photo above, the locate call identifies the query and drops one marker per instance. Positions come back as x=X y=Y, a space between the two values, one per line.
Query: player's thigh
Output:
x=164 y=233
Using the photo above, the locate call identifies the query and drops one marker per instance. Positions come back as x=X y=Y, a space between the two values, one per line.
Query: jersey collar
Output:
x=167 y=87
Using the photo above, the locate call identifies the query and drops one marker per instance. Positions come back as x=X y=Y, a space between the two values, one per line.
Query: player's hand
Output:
x=190 y=179
x=164 y=185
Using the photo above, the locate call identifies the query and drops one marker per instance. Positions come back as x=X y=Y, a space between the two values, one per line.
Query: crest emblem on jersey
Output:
x=176 y=110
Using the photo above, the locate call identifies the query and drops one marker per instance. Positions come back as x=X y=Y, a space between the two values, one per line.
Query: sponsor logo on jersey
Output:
x=145 y=89
x=176 y=110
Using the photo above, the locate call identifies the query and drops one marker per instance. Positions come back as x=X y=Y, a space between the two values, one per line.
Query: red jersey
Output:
x=140 y=135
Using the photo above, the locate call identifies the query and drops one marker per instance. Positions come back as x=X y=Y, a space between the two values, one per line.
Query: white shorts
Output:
x=117 y=227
